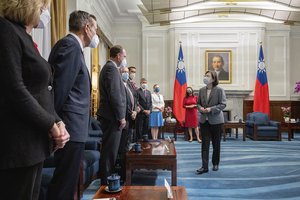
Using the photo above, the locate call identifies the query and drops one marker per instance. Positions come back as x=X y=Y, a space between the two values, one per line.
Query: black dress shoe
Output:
x=215 y=168
x=201 y=170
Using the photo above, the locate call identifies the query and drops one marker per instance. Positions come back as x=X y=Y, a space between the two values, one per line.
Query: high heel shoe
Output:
x=190 y=140
x=199 y=140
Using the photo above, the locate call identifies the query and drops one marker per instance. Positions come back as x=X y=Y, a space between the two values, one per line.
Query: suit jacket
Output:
x=112 y=93
x=26 y=101
x=223 y=75
x=217 y=103
x=133 y=90
x=72 y=86
x=130 y=104
x=145 y=103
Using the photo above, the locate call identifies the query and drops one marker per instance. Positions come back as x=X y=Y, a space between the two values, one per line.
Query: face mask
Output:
x=144 y=86
x=189 y=91
x=132 y=76
x=44 y=19
x=123 y=63
x=207 y=80
x=156 y=90
x=94 y=42
x=125 y=76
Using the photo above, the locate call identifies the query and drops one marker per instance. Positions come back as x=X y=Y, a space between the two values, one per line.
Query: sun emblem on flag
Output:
x=180 y=66
x=261 y=66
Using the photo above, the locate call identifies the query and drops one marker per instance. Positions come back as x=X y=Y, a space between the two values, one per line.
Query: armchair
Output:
x=258 y=126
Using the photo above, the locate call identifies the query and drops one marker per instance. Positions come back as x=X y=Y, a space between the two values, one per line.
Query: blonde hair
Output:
x=25 y=12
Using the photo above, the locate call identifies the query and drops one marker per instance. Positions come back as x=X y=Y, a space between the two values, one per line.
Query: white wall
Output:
x=160 y=45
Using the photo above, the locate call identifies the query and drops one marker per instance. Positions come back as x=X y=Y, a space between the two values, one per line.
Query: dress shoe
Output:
x=201 y=170
x=215 y=168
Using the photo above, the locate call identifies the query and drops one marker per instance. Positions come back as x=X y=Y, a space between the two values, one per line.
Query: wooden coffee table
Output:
x=156 y=154
x=291 y=127
x=143 y=192
x=236 y=125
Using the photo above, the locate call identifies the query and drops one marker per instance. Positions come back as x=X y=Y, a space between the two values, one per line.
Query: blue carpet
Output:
x=248 y=170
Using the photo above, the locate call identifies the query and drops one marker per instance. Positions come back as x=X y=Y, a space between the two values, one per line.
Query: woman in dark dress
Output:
x=30 y=128
x=191 y=114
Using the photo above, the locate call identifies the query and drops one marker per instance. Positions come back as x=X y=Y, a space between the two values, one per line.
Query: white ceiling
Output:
x=124 y=9
x=161 y=11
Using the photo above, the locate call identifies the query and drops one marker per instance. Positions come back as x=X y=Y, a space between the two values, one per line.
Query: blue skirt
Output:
x=156 y=119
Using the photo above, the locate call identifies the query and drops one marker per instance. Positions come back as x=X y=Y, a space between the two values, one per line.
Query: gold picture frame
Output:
x=224 y=70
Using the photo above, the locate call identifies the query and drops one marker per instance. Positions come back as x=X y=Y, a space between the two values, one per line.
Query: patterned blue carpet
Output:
x=248 y=170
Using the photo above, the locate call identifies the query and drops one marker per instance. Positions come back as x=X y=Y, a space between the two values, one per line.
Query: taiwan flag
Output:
x=179 y=89
x=261 y=101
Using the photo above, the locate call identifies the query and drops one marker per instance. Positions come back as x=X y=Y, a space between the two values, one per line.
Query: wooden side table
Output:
x=236 y=125
x=291 y=126
x=169 y=127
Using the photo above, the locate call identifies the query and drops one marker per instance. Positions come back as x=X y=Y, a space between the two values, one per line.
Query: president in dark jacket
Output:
x=112 y=110
x=72 y=100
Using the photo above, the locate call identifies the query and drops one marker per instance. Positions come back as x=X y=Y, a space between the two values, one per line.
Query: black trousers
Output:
x=142 y=126
x=210 y=132
x=21 y=183
x=66 y=175
x=109 y=148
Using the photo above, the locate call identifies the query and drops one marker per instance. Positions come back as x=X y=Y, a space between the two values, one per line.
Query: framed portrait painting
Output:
x=219 y=61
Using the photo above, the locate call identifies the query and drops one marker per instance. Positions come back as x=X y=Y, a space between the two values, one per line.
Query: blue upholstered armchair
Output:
x=258 y=126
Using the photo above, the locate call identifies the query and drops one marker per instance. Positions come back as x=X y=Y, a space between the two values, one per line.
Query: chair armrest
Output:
x=250 y=123
x=95 y=133
x=274 y=123
x=92 y=144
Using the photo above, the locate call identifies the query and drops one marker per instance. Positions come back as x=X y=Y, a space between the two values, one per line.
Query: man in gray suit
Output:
x=211 y=102
x=72 y=100
x=112 y=110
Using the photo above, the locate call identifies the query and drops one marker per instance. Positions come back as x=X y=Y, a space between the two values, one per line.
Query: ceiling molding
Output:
x=163 y=12
x=158 y=5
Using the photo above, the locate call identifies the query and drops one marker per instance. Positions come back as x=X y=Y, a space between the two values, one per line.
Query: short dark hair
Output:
x=214 y=76
x=131 y=67
x=78 y=19
x=143 y=80
x=115 y=50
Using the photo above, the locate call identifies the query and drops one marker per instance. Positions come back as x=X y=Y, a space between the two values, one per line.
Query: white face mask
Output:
x=44 y=19
x=123 y=63
x=207 y=80
x=132 y=76
x=94 y=42
x=144 y=86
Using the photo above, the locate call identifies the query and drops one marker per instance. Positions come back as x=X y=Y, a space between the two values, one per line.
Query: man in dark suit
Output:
x=112 y=110
x=72 y=100
x=133 y=88
x=130 y=119
x=145 y=104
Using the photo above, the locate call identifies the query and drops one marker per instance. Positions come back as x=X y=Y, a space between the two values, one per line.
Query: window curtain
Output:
x=58 y=20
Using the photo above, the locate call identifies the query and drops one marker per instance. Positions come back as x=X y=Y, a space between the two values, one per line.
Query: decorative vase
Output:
x=168 y=119
x=286 y=119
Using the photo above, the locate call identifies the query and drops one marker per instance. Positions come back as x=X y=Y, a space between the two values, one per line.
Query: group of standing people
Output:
x=45 y=106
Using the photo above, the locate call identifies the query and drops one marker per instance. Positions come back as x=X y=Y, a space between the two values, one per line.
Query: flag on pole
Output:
x=179 y=89
x=261 y=101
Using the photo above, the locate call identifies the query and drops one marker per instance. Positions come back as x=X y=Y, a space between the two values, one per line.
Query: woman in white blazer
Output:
x=156 y=118
x=211 y=102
